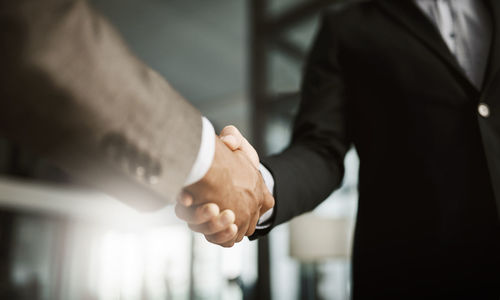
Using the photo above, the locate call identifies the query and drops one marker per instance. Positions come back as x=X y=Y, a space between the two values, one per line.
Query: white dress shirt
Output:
x=205 y=154
x=465 y=26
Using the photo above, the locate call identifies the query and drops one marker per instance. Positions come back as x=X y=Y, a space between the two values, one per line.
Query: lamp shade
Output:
x=314 y=238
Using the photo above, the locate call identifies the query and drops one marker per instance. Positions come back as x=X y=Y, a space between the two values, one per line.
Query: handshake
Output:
x=227 y=203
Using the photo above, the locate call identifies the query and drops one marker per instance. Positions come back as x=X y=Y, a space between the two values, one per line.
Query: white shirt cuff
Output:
x=205 y=154
x=269 y=181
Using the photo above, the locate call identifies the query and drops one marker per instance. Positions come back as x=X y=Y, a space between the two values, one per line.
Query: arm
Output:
x=312 y=166
x=72 y=92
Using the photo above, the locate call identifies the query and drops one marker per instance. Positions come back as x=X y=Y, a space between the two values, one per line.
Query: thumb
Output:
x=267 y=204
x=232 y=137
x=231 y=142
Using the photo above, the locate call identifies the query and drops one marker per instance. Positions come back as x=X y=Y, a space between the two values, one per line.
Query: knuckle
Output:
x=218 y=238
x=240 y=238
x=228 y=245
x=241 y=234
x=211 y=238
x=251 y=231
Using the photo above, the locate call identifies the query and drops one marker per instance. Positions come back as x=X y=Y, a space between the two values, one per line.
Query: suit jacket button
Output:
x=484 y=110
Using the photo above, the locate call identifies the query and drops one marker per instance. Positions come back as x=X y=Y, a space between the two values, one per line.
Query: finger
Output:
x=231 y=130
x=241 y=233
x=232 y=137
x=235 y=140
x=231 y=142
x=215 y=225
x=249 y=150
x=223 y=237
x=197 y=215
x=228 y=244
x=267 y=203
x=185 y=199
x=240 y=236
x=253 y=224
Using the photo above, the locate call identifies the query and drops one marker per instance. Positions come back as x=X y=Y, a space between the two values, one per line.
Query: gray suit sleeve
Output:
x=71 y=91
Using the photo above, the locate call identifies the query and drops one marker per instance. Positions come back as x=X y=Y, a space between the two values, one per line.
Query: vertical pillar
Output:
x=6 y=245
x=257 y=66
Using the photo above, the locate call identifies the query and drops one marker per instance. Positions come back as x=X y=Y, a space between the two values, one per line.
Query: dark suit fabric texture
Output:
x=380 y=78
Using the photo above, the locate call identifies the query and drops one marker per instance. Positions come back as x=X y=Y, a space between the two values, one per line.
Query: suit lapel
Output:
x=494 y=55
x=407 y=14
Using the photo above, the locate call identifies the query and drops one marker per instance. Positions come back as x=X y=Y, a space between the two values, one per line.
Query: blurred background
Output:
x=239 y=62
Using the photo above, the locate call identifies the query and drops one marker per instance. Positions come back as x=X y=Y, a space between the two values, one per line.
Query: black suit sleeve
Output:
x=312 y=166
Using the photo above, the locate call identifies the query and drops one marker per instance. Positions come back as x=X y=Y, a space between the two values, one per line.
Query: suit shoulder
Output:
x=348 y=11
x=349 y=16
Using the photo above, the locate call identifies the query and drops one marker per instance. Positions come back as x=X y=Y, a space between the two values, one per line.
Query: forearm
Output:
x=73 y=92
x=302 y=180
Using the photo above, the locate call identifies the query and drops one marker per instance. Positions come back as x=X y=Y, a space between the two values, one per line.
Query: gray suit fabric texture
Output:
x=73 y=93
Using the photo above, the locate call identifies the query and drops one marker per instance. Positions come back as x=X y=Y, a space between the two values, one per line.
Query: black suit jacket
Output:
x=381 y=78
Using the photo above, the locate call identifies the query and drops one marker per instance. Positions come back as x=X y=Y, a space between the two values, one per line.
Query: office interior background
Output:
x=239 y=62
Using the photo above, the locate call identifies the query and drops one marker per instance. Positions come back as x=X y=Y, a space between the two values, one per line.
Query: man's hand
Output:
x=232 y=137
x=234 y=186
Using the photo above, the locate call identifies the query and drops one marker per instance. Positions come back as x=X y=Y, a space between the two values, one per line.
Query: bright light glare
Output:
x=152 y=263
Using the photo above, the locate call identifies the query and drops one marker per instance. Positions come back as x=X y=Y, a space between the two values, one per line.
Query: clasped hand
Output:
x=227 y=203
